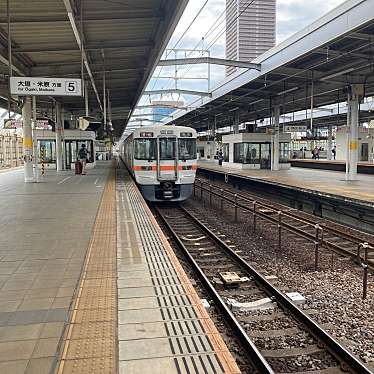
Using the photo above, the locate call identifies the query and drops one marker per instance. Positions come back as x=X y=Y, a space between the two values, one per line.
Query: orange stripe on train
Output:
x=162 y=168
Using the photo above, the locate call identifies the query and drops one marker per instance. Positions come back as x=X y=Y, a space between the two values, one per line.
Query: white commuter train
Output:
x=163 y=161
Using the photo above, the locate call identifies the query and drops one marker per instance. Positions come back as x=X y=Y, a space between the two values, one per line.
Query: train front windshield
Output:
x=145 y=149
x=187 y=149
x=167 y=148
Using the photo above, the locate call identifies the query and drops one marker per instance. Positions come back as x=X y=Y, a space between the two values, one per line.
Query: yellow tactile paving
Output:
x=219 y=346
x=90 y=342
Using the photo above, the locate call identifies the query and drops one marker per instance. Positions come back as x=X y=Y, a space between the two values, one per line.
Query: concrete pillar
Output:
x=275 y=140
x=354 y=96
x=329 y=143
x=58 y=138
x=236 y=123
x=27 y=141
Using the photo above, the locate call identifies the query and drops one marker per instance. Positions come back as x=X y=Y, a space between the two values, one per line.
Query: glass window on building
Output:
x=226 y=150
x=284 y=153
x=239 y=153
x=251 y=153
x=187 y=149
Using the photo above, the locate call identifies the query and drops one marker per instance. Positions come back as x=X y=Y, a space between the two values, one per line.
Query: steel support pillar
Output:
x=275 y=140
x=63 y=137
x=27 y=141
x=35 y=141
x=236 y=123
x=354 y=95
x=58 y=138
x=86 y=104
x=329 y=143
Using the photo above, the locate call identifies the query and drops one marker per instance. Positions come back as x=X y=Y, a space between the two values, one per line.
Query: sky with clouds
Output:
x=292 y=16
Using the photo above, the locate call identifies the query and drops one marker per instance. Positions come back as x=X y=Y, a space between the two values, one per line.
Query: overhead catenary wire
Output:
x=310 y=68
x=181 y=37
x=222 y=30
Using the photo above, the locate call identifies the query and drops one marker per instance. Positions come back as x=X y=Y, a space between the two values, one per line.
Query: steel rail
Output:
x=322 y=241
x=332 y=345
x=292 y=215
x=254 y=354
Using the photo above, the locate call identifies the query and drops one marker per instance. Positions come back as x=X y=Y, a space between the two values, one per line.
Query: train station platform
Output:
x=321 y=182
x=89 y=283
x=335 y=165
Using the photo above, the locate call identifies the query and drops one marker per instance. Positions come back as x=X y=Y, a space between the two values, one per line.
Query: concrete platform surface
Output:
x=323 y=181
x=45 y=229
x=163 y=326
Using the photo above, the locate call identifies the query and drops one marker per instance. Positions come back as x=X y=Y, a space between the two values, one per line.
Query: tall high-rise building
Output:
x=250 y=29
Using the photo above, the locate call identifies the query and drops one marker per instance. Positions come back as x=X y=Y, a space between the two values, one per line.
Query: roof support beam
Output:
x=178 y=91
x=119 y=16
x=78 y=37
x=335 y=53
x=209 y=60
x=151 y=114
x=88 y=47
x=161 y=106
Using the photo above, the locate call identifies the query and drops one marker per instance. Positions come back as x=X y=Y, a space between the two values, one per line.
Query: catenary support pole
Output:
x=275 y=140
x=27 y=141
x=354 y=95
x=58 y=138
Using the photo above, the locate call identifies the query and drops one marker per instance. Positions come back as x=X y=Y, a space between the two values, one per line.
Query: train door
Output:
x=167 y=158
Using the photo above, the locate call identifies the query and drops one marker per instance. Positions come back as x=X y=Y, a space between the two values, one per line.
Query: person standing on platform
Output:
x=333 y=151
x=318 y=150
x=83 y=155
x=220 y=158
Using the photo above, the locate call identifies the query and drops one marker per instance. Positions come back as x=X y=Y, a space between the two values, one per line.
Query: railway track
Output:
x=335 y=239
x=279 y=337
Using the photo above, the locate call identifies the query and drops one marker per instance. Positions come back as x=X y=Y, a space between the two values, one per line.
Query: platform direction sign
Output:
x=301 y=128
x=36 y=86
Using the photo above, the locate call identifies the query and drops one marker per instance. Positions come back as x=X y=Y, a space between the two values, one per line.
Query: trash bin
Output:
x=78 y=167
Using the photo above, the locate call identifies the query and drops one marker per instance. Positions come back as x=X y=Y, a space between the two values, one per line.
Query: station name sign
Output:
x=295 y=128
x=34 y=86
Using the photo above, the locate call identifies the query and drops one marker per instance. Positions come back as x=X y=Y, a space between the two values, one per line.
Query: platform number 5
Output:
x=71 y=87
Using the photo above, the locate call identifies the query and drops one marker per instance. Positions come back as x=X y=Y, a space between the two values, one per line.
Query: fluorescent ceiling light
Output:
x=287 y=91
x=337 y=74
x=256 y=102
x=234 y=109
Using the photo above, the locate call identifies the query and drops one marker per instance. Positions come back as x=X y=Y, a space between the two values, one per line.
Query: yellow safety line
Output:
x=82 y=280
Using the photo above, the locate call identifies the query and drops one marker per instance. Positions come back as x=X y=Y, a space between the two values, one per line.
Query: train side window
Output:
x=187 y=149
x=145 y=149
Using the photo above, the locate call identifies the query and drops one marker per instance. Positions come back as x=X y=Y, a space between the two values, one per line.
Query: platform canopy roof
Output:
x=124 y=38
x=320 y=61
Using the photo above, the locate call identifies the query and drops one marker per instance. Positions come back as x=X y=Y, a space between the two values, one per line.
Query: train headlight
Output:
x=146 y=168
x=188 y=167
